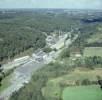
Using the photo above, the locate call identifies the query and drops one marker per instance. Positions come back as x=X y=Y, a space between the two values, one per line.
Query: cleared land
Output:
x=5 y=83
x=95 y=38
x=93 y=51
x=52 y=90
x=82 y=93
x=79 y=74
x=69 y=80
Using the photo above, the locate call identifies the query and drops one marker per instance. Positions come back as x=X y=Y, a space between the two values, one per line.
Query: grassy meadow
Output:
x=93 y=51
x=82 y=93
x=69 y=80
x=5 y=83
x=95 y=38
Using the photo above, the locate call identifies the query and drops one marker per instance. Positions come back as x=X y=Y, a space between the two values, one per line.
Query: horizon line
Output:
x=54 y=8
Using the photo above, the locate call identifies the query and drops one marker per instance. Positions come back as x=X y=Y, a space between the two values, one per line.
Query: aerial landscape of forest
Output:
x=50 y=53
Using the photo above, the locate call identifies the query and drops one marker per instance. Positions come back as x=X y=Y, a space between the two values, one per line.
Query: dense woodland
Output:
x=22 y=30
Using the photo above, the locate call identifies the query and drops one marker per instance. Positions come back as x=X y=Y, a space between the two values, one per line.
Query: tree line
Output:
x=23 y=30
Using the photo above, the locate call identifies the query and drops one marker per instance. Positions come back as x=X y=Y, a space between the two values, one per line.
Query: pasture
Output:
x=53 y=87
x=52 y=90
x=95 y=38
x=82 y=93
x=78 y=74
x=92 y=51
x=5 y=83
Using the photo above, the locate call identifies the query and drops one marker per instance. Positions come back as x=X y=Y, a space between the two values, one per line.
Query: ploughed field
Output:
x=91 y=92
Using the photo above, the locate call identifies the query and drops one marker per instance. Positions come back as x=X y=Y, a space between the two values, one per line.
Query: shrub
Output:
x=85 y=82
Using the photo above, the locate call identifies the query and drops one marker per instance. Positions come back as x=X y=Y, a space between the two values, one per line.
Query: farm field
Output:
x=82 y=93
x=55 y=90
x=65 y=49
x=78 y=74
x=95 y=38
x=5 y=83
x=92 y=51
x=54 y=85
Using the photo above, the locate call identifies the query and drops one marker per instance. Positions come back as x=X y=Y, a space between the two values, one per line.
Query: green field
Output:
x=93 y=51
x=82 y=93
x=77 y=74
x=69 y=80
x=95 y=38
x=52 y=90
x=5 y=83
